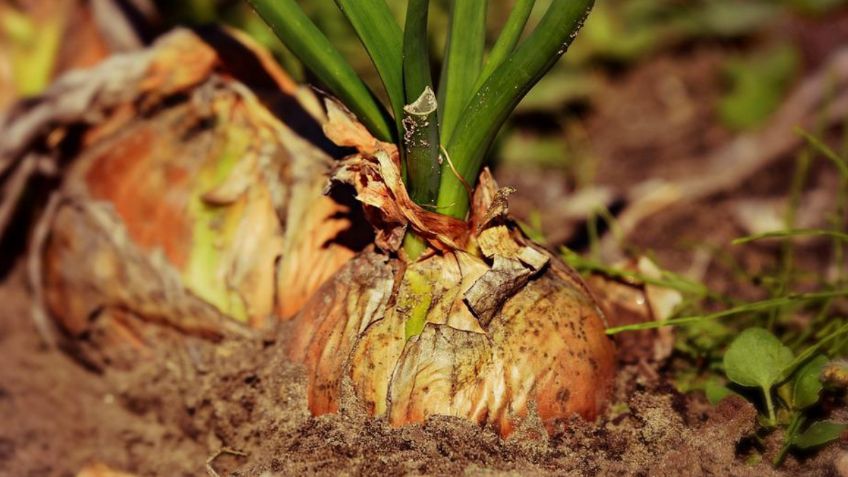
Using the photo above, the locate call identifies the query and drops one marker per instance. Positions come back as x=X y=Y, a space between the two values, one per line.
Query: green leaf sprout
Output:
x=756 y=358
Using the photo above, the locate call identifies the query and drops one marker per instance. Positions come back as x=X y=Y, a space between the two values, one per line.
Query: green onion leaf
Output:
x=494 y=101
x=510 y=34
x=416 y=56
x=420 y=122
x=381 y=35
x=421 y=142
x=305 y=40
x=462 y=63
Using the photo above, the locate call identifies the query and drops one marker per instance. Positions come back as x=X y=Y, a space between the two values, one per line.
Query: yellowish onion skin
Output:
x=329 y=325
x=546 y=345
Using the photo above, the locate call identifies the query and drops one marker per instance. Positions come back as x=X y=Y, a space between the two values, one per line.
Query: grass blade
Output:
x=381 y=35
x=809 y=352
x=508 y=38
x=486 y=112
x=825 y=151
x=835 y=234
x=305 y=40
x=667 y=279
x=463 y=62
x=757 y=306
x=420 y=123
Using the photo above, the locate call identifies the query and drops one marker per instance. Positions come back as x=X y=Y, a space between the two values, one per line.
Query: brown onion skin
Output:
x=546 y=346
x=563 y=341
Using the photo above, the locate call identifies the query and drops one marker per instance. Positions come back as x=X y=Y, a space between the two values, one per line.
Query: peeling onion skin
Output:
x=331 y=322
x=546 y=344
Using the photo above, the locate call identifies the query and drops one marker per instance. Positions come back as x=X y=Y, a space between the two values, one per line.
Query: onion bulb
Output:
x=486 y=326
x=190 y=199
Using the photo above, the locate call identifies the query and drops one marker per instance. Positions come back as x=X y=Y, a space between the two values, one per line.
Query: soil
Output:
x=176 y=413
x=239 y=408
x=60 y=416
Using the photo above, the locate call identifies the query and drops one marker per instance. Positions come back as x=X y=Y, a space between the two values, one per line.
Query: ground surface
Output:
x=169 y=417
x=173 y=414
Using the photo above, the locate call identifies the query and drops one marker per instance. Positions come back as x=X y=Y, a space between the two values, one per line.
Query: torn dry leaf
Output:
x=631 y=301
x=375 y=175
x=388 y=206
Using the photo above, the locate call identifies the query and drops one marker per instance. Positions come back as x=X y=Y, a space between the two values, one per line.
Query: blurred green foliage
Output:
x=757 y=84
x=31 y=46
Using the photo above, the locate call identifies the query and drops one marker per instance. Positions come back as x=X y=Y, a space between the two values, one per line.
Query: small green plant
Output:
x=790 y=382
x=444 y=131
x=755 y=344
x=757 y=358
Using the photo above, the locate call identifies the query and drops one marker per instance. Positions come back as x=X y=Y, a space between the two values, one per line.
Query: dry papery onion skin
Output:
x=190 y=203
x=487 y=326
